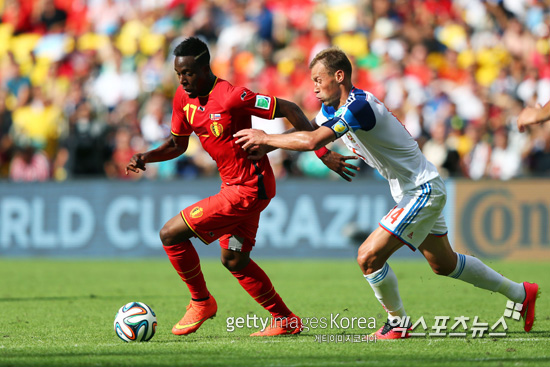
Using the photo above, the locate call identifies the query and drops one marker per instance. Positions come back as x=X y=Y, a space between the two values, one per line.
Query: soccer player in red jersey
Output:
x=214 y=110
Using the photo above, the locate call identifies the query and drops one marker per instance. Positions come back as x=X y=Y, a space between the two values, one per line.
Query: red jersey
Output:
x=214 y=118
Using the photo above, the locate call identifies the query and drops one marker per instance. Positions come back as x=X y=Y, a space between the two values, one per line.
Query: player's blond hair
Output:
x=333 y=59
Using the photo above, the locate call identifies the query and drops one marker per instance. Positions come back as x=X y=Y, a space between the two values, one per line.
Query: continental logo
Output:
x=217 y=129
x=504 y=220
x=197 y=212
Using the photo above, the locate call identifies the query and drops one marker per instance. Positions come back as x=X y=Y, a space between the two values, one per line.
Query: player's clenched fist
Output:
x=136 y=163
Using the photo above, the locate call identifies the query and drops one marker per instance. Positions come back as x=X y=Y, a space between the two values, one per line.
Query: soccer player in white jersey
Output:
x=376 y=136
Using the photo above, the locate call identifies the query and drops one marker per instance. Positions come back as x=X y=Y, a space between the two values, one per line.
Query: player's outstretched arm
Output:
x=173 y=147
x=295 y=115
x=301 y=141
x=298 y=140
x=533 y=115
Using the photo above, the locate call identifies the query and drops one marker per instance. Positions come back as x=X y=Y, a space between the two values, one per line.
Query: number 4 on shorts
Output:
x=394 y=214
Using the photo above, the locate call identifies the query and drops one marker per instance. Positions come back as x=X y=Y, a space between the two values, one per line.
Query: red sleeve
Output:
x=180 y=127
x=255 y=104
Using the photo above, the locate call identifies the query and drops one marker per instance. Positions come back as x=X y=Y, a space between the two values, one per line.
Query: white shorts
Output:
x=418 y=213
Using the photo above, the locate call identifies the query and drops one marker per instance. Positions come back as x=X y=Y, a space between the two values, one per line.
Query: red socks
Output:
x=252 y=278
x=256 y=282
x=185 y=260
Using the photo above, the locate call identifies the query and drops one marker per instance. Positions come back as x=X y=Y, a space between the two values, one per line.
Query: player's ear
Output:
x=339 y=75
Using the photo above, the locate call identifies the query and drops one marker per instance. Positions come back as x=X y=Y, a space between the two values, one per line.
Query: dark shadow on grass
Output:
x=228 y=336
x=33 y=299
x=67 y=298
x=230 y=360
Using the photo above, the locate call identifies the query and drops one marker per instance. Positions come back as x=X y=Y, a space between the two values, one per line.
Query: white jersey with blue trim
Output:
x=380 y=139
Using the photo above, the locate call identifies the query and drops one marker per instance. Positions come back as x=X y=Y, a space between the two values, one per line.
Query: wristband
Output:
x=321 y=152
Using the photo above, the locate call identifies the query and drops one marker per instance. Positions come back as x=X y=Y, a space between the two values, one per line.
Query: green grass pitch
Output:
x=60 y=313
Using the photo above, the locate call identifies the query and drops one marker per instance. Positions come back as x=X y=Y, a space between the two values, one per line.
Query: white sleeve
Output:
x=320 y=119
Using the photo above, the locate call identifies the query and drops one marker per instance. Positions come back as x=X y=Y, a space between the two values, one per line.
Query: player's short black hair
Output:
x=333 y=59
x=193 y=46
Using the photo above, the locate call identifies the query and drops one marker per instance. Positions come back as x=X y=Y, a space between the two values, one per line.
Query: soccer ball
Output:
x=135 y=322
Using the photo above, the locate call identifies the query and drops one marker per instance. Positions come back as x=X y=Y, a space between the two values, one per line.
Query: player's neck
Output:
x=209 y=85
x=344 y=93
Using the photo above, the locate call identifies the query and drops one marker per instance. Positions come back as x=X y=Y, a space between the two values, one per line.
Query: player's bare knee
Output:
x=226 y=261
x=444 y=265
x=442 y=270
x=166 y=236
x=367 y=260
x=232 y=262
x=361 y=260
x=231 y=265
x=438 y=270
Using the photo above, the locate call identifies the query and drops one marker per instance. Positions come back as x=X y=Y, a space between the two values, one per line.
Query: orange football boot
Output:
x=197 y=313
x=528 y=309
x=388 y=332
x=291 y=325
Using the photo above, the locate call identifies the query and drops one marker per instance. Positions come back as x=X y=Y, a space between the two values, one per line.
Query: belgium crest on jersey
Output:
x=196 y=212
x=217 y=129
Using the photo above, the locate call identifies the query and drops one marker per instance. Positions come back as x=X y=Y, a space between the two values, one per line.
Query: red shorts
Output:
x=228 y=213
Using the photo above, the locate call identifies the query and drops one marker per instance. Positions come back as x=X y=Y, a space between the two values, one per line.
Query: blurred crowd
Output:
x=85 y=84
